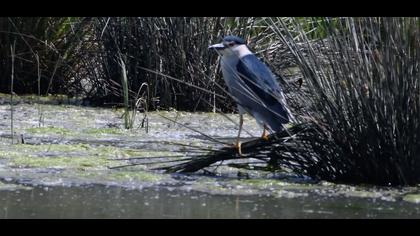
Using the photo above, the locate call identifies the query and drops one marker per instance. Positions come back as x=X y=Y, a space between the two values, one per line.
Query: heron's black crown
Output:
x=232 y=38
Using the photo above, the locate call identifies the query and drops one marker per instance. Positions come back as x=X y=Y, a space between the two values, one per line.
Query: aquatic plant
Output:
x=362 y=101
x=12 y=80
x=127 y=122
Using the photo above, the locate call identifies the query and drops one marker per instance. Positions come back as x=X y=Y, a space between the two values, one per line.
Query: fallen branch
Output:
x=256 y=148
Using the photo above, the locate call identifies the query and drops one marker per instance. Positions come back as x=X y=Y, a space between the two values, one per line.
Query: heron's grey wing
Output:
x=259 y=79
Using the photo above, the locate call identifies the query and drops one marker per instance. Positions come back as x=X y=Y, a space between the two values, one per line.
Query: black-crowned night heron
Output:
x=253 y=87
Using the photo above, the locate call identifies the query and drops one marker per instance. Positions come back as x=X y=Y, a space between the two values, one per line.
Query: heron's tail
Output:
x=278 y=116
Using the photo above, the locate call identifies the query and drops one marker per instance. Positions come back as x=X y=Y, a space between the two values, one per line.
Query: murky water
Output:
x=62 y=171
x=116 y=202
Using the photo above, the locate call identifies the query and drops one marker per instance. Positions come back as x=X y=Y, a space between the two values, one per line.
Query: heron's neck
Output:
x=242 y=50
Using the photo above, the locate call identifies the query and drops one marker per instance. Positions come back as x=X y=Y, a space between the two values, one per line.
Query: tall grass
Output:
x=77 y=57
x=142 y=104
x=362 y=100
x=162 y=48
x=172 y=46
x=127 y=122
x=12 y=80
x=59 y=44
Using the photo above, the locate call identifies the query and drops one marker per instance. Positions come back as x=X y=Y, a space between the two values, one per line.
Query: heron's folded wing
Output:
x=259 y=79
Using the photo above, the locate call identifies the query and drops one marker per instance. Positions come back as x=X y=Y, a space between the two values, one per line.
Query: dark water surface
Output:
x=99 y=201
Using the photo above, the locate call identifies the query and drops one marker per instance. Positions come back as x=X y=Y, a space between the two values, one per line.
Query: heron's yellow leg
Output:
x=264 y=134
x=237 y=144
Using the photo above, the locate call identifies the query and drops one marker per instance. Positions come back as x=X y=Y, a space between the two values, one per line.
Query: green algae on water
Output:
x=413 y=198
x=12 y=187
x=49 y=130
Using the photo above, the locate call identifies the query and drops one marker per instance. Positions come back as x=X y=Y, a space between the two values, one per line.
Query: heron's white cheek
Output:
x=242 y=51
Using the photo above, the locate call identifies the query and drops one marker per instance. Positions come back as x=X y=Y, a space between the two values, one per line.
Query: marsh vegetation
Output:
x=122 y=101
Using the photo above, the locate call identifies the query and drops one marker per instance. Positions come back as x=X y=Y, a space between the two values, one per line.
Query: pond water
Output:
x=115 y=202
x=61 y=165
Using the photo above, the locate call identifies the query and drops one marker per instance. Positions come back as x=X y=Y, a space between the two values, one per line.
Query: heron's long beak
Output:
x=217 y=46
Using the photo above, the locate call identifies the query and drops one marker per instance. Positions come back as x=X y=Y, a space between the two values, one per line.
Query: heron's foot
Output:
x=264 y=137
x=237 y=146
